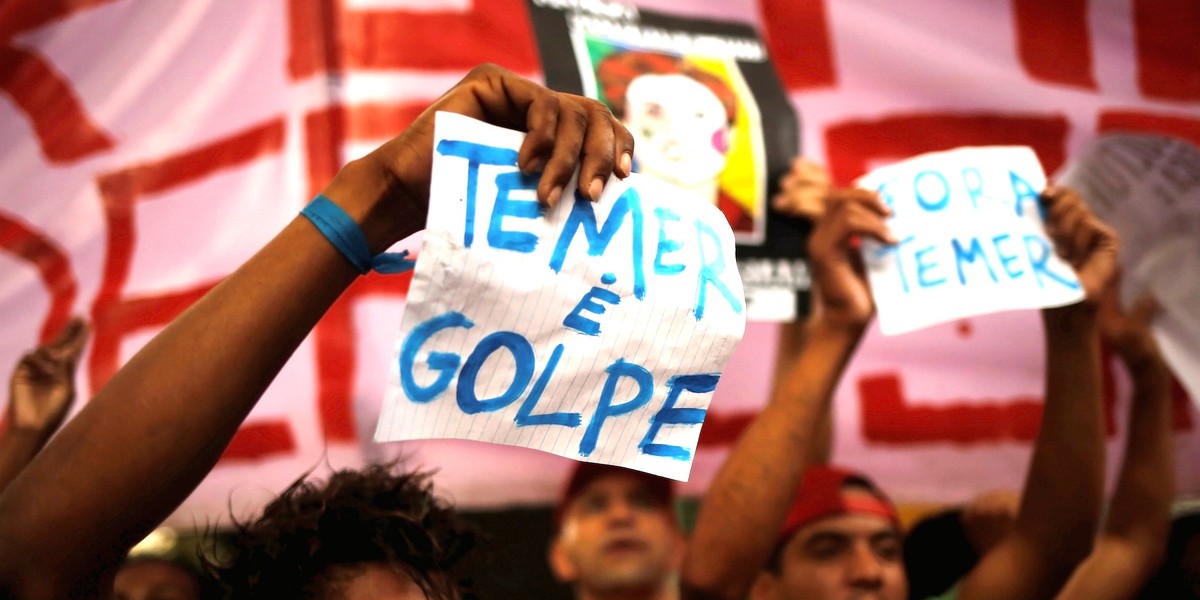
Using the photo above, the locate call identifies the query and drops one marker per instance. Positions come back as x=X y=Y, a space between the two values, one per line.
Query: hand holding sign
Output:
x=843 y=297
x=596 y=331
x=1083 y=240
x=387 y=191
x=970 y=239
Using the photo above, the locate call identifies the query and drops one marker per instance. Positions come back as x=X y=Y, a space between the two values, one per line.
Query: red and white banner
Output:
x=148 y=148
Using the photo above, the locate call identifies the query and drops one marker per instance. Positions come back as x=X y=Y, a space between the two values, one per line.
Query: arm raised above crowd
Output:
x=1060 y=504
x=748 y=501
x=152 y=434
x=41 y=392
x=1130 y=547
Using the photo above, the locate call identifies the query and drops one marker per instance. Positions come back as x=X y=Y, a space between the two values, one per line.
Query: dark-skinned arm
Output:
x=1060 y=504
x=1131 y=545
x=747 y=502
x=136 y=451
x=40 y=395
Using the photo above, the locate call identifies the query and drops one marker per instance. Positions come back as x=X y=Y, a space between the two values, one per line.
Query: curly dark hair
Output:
x=374 y=515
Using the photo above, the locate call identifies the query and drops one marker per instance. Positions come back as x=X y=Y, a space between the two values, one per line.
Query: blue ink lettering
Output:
x=973 y=181
x=710 y=271
x=1038 y=263
x=444 y=362
x=923 y=267
x=942 y=196
x=885 y=250
x=666 y=245
x=599 y=237
x=476 y=155
x=962 y=255
x=522 y=352
x=669 y=415
x=588 y=303
x=606 y=409
x=1006 y=259
x=517 y=241
x=525 y=416
x=1023 y=192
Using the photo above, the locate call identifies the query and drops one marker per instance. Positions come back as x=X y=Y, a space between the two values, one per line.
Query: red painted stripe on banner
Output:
x=256 y=441
x=53 y=267
x=121 y=190
x=64 y=130
x=326 y=37
x=17 y=16
x=797 y=33
x=383 y=121
x=853 y=145
x=1168 y=55
x=1054 y=43
x=1131 y=120
x=496 y=31
x=312 y=38
x=887 y=416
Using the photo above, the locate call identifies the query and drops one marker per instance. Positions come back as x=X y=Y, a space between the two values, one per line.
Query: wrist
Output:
x=377 y=201
x=1072 y=321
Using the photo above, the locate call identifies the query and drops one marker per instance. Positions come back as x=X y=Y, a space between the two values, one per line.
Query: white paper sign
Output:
x=596 y=331
x=1148 y=188
x=972 y=240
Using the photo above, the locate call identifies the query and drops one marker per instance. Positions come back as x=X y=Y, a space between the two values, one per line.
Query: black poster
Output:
x=708 y=114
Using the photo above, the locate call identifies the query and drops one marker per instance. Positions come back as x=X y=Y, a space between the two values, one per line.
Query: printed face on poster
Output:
x=695 y=95
x=596 y=331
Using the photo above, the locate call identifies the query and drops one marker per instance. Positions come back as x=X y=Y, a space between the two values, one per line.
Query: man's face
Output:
x=851 y=556
x=616 y=535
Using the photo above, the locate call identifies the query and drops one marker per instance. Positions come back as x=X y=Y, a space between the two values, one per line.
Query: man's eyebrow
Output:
x=825 y=536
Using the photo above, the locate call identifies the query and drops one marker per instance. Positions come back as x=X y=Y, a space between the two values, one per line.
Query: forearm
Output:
x=165 y=418
x=17 y=449
x=1067 y=467
x=749 y=499
x=1141 y=506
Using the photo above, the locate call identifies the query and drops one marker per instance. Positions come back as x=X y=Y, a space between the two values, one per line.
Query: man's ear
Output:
x=561 y=563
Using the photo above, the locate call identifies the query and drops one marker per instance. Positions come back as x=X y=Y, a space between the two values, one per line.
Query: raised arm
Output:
x=152 y=434
x=748 y=500
x=40 y=394
x=1060 y=504
x=1130 y=547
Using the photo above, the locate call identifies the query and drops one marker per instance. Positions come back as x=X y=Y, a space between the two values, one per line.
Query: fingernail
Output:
x=555 y=194
x=535 y=165
x=595 y=189
x=626 y=165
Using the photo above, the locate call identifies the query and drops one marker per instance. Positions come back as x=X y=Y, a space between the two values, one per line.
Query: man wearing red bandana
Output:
x=775 y=526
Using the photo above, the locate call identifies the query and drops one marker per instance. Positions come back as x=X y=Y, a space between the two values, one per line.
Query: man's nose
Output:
x=620 y=511
x=866 y=568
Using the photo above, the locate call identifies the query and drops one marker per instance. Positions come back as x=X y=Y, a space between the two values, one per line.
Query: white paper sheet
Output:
x=1148 y=188
x=596 y=332
x=972 y=240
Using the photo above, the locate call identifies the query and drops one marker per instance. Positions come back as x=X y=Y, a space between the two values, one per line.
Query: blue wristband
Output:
x=344 y=234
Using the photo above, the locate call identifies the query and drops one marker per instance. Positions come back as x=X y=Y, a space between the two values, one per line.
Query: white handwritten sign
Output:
x=596 y=331
x=972 y=239
x=1148 y=188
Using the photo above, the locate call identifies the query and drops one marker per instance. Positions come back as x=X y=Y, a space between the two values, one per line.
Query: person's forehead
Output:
x=851 y=525
x=615 y=483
